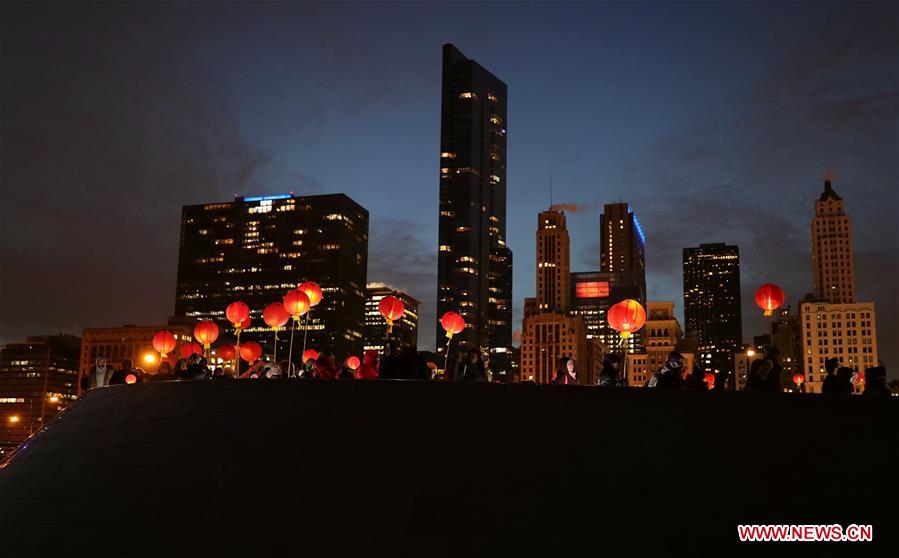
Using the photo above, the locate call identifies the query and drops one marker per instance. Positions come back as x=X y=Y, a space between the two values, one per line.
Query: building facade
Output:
x=592 y=293
x=131 y=342
x=663 y=335
x=405 y=330
x=786 y=337
x=38 y=378
x=832 y=259
x=712 y=311
x=844 y=331
x=256 y=249
x=549 y=331
x=474 y=265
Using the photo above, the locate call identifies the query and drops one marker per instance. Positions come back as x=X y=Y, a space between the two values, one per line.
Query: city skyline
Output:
x=702 y=184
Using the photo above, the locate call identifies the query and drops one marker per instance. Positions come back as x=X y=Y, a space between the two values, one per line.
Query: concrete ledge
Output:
x=276 y=468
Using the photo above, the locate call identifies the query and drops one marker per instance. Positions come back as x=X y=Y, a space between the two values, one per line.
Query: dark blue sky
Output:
x=716 y=121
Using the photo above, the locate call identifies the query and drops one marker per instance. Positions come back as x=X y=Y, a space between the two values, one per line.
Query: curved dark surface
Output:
x=291 y=468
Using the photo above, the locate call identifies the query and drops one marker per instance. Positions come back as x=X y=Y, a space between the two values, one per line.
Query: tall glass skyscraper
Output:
x=474 y=270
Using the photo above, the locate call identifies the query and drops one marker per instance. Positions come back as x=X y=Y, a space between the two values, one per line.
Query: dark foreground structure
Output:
x=403 y=468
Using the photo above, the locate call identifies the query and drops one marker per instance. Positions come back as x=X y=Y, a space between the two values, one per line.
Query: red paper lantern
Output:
x=130 y=379
x=275 y=315
x=164 y=343
x=188 y=349
x=226 y=352
x=626 y=317
x=206 y=332
x=313 y=291
x=798 y=379
x=250 y=351
x=296 y=303
x=860 y=377
x=237 y=313
x=352 y=362
x=392 y=309
x=709 y=379
x=246 y=323
x=769 y=297
x=310 y=353
x=452 y=323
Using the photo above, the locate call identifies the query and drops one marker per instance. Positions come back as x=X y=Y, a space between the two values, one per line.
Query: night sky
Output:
x=717 y=122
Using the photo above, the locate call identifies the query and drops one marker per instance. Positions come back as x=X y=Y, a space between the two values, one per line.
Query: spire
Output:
x=828 y=193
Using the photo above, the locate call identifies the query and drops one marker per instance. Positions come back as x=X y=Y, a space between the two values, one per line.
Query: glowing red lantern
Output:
x=310 y=353
x=769 y=297
x=860 y=377
x=798 y=379
x=190 y=348
x=452 y=323
x=352 y=362
x=392 y=309
x=226 y=352
x=709 y=379
x=275 y=315
x=296 y=303
x=206 y=332
x=164 y=343
x=312 y=291
x=626 y=317
x=237 y=313
x=246 y=323
x=250 y=351
x=130 y=379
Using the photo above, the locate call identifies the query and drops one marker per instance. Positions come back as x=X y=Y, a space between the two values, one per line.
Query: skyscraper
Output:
x=833 y=324
x=623 y=252
x=832 y=261
x=712 y=312
x=256 y=249
x=474 y=265
x=549 y=332
x=405 y=329
x=592 y=294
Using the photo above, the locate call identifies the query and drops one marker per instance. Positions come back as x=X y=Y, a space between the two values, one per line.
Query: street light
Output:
x=750 y=353
x=54 y=399
x=14 y=419
x=149 y=358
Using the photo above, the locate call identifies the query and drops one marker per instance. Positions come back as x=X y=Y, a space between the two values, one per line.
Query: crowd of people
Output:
x=404 y=362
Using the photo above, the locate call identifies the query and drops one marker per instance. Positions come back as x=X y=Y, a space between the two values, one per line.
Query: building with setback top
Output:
x=474 y=265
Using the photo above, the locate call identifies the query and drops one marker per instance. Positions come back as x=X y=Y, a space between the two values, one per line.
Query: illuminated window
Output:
x=591 y=289
x=446 y=248
x=467 y=95
x=447 y=213
x=447 y=155
x=329 y=247
x=335 y=217
x=491 y=97
x=462 y=229
x=224 y=241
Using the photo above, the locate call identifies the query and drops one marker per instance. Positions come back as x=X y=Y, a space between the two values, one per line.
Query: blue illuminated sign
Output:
x=263 y=198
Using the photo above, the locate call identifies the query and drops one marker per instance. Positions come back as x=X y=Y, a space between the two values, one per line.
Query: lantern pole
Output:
x=290 y=351
x=446 y=374
x=275 y=352
x=237 y=355
x=306 y=329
